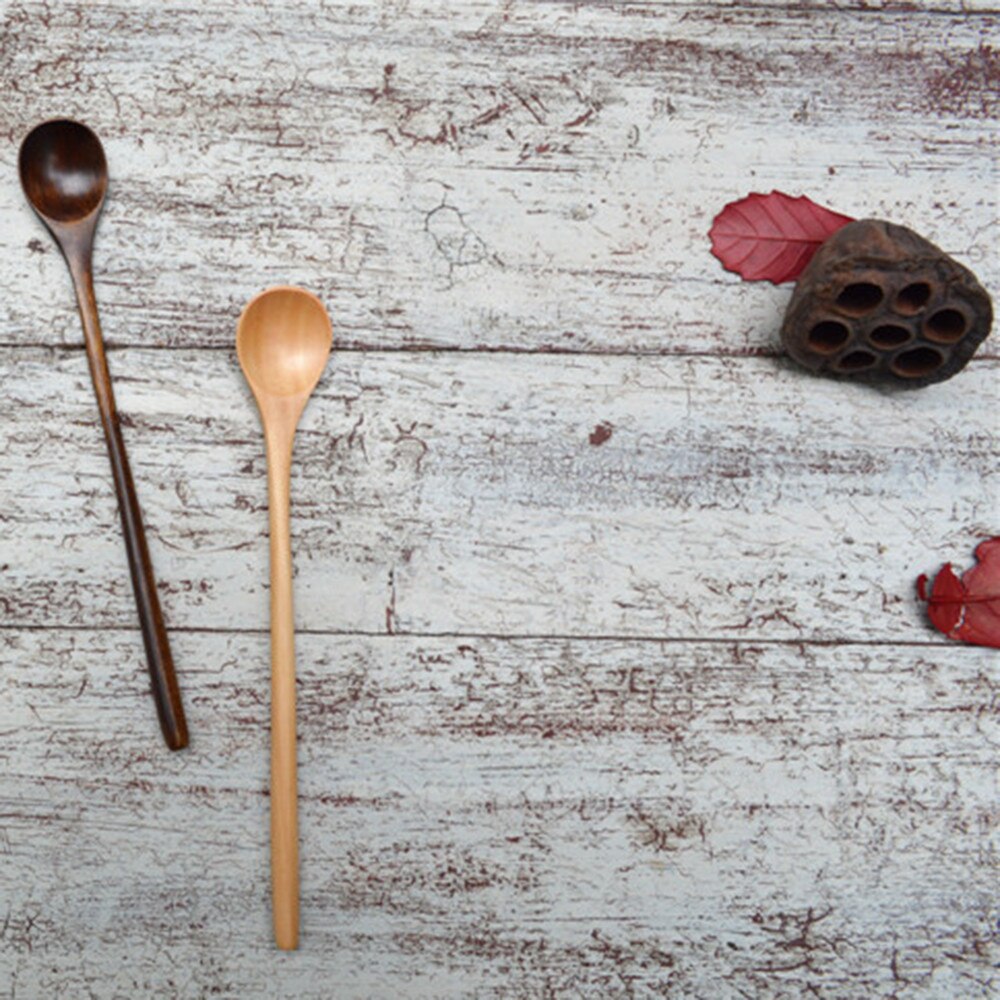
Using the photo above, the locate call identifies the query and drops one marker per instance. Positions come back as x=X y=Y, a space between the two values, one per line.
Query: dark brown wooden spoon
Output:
x=65 y=176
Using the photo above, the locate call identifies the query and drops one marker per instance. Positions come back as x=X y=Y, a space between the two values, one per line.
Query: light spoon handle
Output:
x=284 y=809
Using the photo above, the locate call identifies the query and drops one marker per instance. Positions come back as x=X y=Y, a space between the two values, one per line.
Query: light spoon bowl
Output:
x=283 y=342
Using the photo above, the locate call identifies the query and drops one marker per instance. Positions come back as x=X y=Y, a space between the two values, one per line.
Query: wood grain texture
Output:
x=528 y=176
x=612 y=682
x=463 y=493
x=506 y=818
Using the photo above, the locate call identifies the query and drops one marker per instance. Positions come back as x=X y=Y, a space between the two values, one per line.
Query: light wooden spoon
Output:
x=283 y=340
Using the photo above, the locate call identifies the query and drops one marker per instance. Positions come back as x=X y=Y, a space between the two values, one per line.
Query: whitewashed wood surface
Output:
x=613 y=682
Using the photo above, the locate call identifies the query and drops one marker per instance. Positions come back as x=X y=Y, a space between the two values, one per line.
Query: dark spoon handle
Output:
x=161 y=665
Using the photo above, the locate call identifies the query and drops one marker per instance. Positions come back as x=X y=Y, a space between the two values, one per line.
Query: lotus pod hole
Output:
x=859 y=298
x=880 y=303
x=828 y=336
x=917 y=363
x=855 y=361
x=912 y=298
x=946 y=326
x=889 y=335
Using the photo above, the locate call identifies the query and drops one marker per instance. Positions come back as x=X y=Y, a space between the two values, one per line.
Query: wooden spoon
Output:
x=283 y=341
x=65 y=177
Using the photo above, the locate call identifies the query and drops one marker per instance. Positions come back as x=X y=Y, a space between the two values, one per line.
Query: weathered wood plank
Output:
x=534 y=177
x=504 y=818
x=725 y=758
x=504 y=494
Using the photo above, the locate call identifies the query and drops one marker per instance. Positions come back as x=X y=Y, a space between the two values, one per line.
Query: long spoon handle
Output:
x=284 y=805
x=154 y=635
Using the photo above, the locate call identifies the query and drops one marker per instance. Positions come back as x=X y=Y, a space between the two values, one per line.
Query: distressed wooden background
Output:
x=612 y=678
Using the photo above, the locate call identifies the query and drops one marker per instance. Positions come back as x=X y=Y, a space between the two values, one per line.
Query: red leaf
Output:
x=967 y=608
x=771 y=237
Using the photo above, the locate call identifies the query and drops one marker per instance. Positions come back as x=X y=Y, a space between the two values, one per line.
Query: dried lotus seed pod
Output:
x=879 y=302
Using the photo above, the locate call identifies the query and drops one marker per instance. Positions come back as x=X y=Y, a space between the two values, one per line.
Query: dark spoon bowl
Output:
x=63 y=170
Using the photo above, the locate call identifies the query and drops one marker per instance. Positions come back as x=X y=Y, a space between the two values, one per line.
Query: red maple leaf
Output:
x=967 y=608
x=771 y=237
